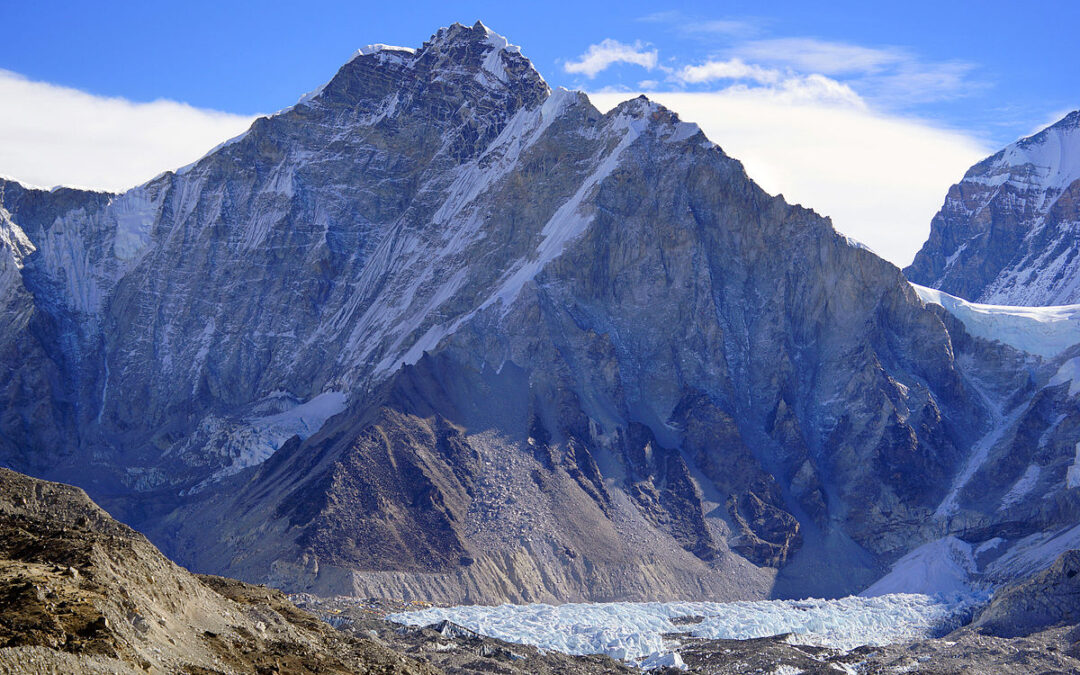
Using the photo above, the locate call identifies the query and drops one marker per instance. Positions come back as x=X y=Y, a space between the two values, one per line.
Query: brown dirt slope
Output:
x=80 y=592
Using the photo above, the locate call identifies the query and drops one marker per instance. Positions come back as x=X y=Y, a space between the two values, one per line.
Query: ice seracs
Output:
x=635 y=632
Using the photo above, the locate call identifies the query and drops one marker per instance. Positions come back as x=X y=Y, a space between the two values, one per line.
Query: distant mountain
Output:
x=438 y=331
x=1009 y=233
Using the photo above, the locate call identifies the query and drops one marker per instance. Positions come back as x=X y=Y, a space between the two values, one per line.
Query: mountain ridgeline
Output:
x=439 y=331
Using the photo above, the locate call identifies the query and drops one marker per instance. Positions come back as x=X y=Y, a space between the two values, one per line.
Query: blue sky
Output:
x=940 y=83
x=995 y=69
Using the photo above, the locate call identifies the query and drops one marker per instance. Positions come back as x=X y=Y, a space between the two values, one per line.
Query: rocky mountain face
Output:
x=438 y=331
x=1008 y=232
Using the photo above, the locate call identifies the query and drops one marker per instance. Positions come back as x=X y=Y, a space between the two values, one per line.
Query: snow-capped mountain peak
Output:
x=1009 y=233
x=1049 y=159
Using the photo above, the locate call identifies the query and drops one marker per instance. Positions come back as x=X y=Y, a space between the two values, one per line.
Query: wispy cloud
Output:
x=891 y=75
x=720 y=27
x=819 y=56
x=600 y=57
x=694 y=25
x=52 y=135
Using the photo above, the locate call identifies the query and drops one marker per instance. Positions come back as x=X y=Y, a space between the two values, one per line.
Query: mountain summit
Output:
x=1007 y=233
x=438 y=331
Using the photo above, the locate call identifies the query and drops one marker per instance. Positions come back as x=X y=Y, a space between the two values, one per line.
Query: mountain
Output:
x=440 y=332
x=1007 y=234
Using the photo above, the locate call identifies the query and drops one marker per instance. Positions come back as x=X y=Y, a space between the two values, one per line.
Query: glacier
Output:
x=1044 y=331
x=642 y=632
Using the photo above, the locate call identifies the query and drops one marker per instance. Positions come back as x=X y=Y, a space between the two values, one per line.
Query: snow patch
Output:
x=13 y=239
x=988 y=546
x=1072 y=476
x=135 y=214
x=493 y=63
x=379 y=47
x=1023 y=486
x=1032 y=554
x=944 y=566
x=1068 y=372
x=250 y=441
x=1053 y=153
x=683 y=131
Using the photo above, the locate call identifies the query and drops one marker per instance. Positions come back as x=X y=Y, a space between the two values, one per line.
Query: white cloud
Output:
x=782 y=84
x=732 y=69
x=600 y=57
x=816 y=90
x=790 y=85
x=52 y=135
x=880 y=177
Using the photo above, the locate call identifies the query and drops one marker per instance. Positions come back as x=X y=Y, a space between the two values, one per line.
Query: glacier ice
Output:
x=635 y=631
x=1044 y=331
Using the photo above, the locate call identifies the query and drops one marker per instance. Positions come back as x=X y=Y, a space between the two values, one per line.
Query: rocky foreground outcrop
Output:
x=80 y=592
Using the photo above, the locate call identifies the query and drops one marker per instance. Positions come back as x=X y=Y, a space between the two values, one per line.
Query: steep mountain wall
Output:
x=439 y=331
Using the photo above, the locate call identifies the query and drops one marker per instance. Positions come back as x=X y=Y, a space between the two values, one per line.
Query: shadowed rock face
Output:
x=1050 y=598
x=437 y=331
x=1007 y=233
